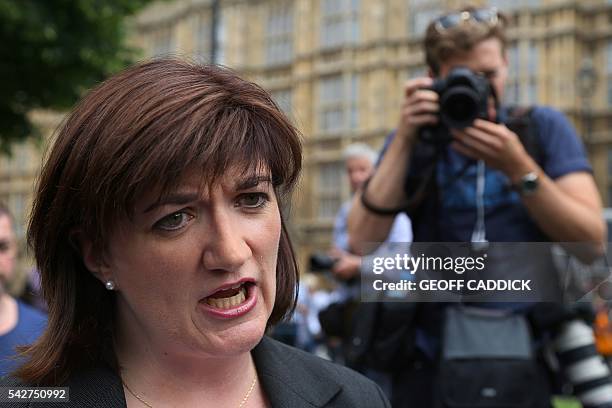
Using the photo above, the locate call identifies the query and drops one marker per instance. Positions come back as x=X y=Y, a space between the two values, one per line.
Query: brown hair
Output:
x=139 y=130
x=440 y=46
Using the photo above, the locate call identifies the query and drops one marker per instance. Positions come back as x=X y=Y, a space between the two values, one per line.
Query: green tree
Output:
x=52 y=50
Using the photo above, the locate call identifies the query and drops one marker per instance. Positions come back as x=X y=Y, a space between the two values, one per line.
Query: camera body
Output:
x=464 y=97
x=320 y=262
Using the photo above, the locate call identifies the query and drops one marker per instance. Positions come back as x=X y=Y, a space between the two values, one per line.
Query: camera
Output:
x=464 y=97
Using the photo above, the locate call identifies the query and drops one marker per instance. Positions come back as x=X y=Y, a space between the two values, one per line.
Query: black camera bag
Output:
x=488 y=361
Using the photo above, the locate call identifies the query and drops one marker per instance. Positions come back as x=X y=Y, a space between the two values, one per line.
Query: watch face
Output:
x=529 y=183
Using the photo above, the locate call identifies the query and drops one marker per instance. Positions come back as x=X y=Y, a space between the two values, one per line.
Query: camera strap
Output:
x=479 y=234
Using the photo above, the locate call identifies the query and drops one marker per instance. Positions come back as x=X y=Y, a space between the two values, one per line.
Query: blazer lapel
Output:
x=290 y=381
x=98 y=387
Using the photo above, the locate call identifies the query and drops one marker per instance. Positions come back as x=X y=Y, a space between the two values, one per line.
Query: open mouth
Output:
x=231 y=297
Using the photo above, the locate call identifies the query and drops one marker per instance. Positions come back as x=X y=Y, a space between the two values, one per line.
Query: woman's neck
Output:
x=165 y=379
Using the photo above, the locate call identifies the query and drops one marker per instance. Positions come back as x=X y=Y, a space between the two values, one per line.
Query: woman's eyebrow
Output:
x=177 y=198
x=252 y=181
x=181 y=198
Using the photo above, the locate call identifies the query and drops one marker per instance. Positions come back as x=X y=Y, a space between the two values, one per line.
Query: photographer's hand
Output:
x=497 y=145
x=419 y=108
x=567 y=209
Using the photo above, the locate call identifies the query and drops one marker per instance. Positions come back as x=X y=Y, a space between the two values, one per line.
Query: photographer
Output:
x=486 y=184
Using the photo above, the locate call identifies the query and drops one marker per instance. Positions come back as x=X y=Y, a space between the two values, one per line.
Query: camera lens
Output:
x=459 y=107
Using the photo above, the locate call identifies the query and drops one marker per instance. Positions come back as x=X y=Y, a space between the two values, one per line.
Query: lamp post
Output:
x=587 y=80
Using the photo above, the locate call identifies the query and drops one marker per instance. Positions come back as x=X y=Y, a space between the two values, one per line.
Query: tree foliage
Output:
x=52 y=50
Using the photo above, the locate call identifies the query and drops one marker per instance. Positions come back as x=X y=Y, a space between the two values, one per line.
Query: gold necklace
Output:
x=138 y=397
x=244 y=400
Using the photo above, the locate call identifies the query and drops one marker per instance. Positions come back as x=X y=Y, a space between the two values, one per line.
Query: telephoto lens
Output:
x=585 y=369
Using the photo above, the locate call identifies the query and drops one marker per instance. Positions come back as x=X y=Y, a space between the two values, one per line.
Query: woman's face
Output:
x=197 y=271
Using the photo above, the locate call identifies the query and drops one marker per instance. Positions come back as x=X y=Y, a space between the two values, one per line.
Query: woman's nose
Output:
x=226 y=249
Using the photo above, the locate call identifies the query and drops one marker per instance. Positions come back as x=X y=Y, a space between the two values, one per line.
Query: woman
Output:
x=163 y=253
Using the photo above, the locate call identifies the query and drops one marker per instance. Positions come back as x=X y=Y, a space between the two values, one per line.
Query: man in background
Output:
x=358 y=319
x=20 y=324
x=360 y=161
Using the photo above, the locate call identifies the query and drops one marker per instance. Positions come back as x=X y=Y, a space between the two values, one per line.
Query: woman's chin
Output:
x=238 y=338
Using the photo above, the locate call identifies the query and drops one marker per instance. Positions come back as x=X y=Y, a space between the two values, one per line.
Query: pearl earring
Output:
x=110 y=285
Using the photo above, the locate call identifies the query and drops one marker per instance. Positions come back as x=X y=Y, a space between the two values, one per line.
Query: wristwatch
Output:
x=528 y=184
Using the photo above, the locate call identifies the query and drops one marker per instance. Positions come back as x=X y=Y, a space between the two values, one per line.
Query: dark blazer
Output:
x=290 y=378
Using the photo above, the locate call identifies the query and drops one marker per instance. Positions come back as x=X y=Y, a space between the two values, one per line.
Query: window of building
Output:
x=421 y=13
x=354 y=101
x=512 y=91
x=329 y=188
x=609 y=71
x=17 y=206
x=220 y=40
x=522 y=82
x=282 y=98
x=162 y=42
x=203 y=37
x=416 y=72
x=420 y=19
x=279 y=34
x=532 y=74
x=532 y=91
x=338 y=103
x=331 y=98
x=339 y=22
x=22 y=157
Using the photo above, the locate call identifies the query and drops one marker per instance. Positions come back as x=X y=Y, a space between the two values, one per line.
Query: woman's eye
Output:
x=173 y=221
x=253 y=200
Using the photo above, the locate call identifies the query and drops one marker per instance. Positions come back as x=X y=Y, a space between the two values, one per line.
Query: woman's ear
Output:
x=92 y=259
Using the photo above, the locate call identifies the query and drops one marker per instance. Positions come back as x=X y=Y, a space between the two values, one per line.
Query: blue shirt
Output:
x=401 y=232
x=452 y=216
x=506 y=219
x=30 y=325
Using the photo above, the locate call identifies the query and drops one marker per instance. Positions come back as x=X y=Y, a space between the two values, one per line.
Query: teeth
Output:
x=228 y=303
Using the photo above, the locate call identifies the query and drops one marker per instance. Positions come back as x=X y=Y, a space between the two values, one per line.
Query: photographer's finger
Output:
x=423 y=120
x=422 y=95
x=422 y=107
x=482 y=149
x=415 y=84
x=487 y=126
x=486 y=138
